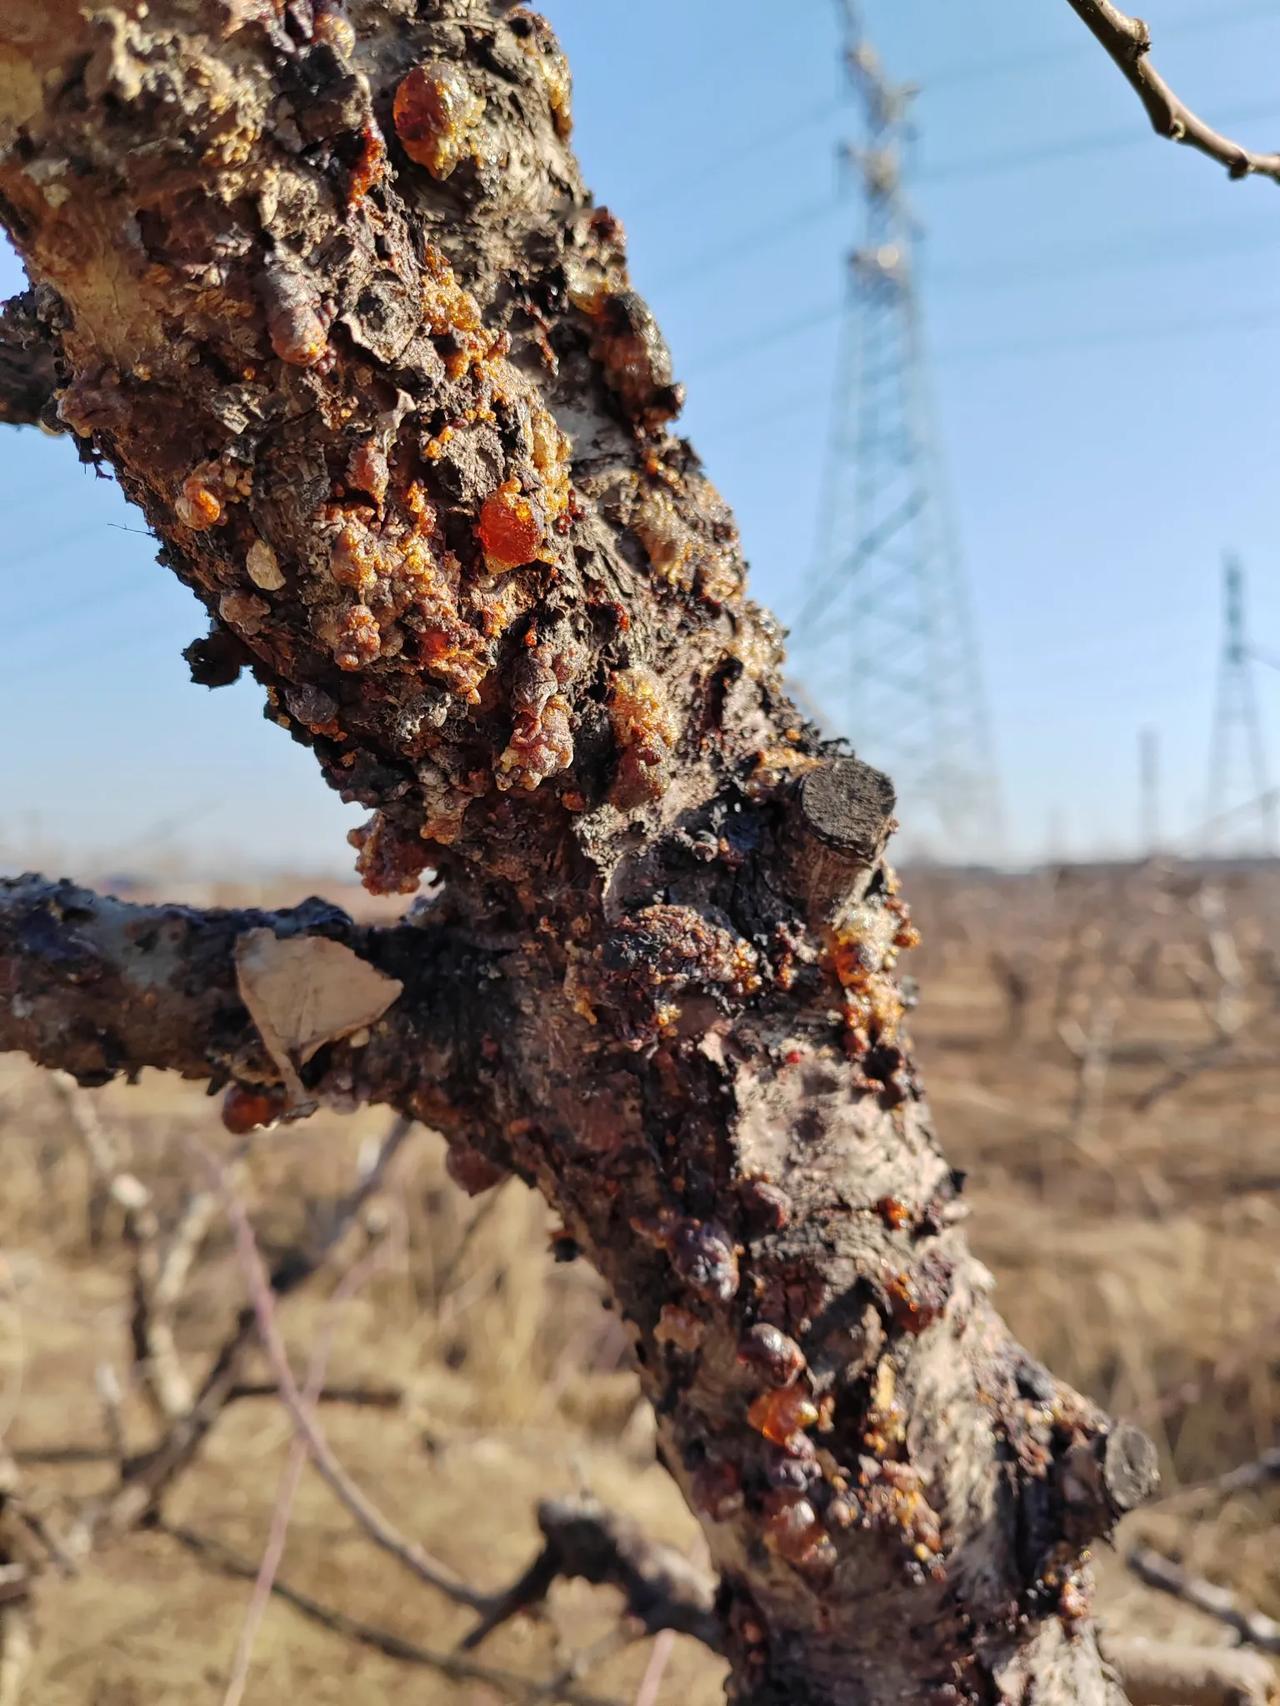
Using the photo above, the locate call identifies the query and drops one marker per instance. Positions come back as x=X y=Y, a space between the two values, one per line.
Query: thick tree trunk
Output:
x=333 y=302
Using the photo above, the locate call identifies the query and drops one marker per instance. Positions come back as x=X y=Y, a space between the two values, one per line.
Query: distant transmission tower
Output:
x=883 y=646
x=1237 y=727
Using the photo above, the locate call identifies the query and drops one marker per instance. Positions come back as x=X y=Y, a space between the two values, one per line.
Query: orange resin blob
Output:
x=784 y=1411
x=509 y=532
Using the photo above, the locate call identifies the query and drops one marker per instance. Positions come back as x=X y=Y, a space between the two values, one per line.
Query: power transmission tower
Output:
x=884 y=645
x=1237 y=723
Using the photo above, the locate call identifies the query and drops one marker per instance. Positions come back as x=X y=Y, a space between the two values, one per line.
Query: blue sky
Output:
x=1104 y=321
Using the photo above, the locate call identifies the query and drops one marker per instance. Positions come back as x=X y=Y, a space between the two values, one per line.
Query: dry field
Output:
x=1102 y=1056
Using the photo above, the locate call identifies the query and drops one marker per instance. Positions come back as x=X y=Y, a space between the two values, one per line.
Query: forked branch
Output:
x=1128 y=42
x=660 y=1587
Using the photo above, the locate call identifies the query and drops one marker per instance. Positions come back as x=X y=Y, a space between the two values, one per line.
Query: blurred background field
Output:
x=1101 y=1047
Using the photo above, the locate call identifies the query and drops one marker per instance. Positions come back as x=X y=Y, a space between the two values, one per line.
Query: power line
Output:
x=806 y=403
x=1225 y=320
x=1174 y=246
x=62 y=615
x=769 y=234
x=1070 y=148
x=982 y=71
x=1197 y=326
x=767 y=143
x=800 y=123
x=758 y=237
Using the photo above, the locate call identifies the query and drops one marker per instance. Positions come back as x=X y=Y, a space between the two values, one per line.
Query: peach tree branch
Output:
x=349 y=328
x=1128 y=42
x=98 y=987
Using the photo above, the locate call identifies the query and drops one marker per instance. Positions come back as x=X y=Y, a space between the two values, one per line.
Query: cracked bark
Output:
x=335 y=306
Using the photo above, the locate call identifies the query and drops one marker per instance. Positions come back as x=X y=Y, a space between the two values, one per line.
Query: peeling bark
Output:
x=337 y=309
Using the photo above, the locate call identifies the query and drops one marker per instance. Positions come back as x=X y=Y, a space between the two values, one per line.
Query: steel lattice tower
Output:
x=1237 y=723
x=883 y=646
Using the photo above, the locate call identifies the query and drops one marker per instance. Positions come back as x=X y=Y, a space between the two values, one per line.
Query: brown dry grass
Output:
x=1136 y=1253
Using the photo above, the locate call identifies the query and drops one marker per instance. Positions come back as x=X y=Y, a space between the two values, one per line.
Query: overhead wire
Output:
x=1003 y=349
x=761 y=143
x=767 y=235
x=980 y=71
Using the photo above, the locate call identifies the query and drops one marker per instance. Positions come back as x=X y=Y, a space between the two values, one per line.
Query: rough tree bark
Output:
x=329 y=296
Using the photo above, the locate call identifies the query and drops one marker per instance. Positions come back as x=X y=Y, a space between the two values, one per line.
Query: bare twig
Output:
x=479 y=1220
x=1093 y=1051
x=157 y=1288
x=453 y=1665
x=150 y=1475
x=159 y=1274
x=1248 y=1475
x=1242 y=1479
x=375 y=1524
x=290 y=1479
x=1224 y=957
x=111 y=1398
x=659 y=1658
x=1254 y=1628
x=100 y=1150
x=1156 y=1673
x=359 y=1397
x=1128 y=41
x=1015 y=980
x=1201 y=1060
x=661 y=1588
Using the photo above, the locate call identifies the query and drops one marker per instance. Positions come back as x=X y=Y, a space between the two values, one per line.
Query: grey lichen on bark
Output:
x=335 y=305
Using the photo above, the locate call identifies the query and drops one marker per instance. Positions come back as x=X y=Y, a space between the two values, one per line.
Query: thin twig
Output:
x=1242 y=1479
x=159 y=1275
x=481 y=1217
x=661 y=1588
x=659 y=1658
x=1128 y=42
x=379 y=1529
x=100 y=1150
x=355 y=1397
x=290 y=1479
x=149 y=1477
x=111 y=1399
x=452 y=1665
x=1201 y=1060
x=359 y=1397
x=1254 y=1628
